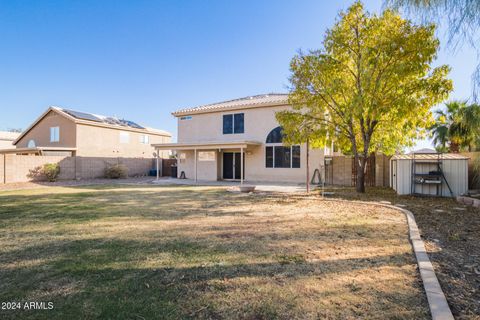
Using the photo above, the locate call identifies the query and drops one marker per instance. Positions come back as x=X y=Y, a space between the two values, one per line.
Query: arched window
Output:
x=275 y=136
x=31 y=144
x=278 y=155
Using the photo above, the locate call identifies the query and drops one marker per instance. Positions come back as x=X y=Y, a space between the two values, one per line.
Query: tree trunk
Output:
x=454 y=147
x=361 y=162
x=308 y=167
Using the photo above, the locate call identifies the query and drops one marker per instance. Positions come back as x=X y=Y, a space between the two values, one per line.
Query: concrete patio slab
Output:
x=261 y=186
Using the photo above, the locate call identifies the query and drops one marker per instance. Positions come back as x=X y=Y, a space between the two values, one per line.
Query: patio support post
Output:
x=195 y=164
x=241 y=165
x=158 y=174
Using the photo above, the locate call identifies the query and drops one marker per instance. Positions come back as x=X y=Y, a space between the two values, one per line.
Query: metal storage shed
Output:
x=436 y=174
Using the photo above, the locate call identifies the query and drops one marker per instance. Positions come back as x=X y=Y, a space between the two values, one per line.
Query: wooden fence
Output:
x=342 y=171
x=473 y=172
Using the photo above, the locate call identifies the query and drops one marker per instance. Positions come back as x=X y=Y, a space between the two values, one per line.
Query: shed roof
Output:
x=261 y=100
x=430 y=156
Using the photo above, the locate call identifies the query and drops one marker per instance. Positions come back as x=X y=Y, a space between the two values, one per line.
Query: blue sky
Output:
x=141 y=60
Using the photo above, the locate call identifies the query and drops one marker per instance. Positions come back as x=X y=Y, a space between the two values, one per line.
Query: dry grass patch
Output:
x=184 y=252
x=451 y=232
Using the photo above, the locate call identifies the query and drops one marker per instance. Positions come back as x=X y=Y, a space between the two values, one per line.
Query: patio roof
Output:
x=36 y=150
x=206 y=145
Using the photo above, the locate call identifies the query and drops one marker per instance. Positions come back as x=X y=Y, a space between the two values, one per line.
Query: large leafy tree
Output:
x=369 y=88
x=461 y=19
x=457 y=127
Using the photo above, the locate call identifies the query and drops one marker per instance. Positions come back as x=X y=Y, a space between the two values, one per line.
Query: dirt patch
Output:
x=451 y=232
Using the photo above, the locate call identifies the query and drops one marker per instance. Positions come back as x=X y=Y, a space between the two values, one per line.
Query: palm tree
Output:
x=456 y=128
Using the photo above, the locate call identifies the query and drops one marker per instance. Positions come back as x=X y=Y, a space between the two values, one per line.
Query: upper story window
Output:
x=275 y=136
x=144 y=139
x=186 y=118
x=124 y=137
x=278 y=155
x=54 y=134
x=233 y=123
x=31 y=144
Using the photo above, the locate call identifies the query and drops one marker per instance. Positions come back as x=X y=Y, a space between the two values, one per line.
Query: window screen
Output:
x=227 y=123
x=238 y=123
x=269 y=157
x=295 y=156
x=282 y=157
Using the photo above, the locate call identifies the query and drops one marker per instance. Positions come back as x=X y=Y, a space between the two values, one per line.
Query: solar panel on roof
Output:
x=109 y=120
x=83 y=115
x=132 y=124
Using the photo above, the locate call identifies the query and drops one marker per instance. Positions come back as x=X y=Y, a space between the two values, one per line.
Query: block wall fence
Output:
x=16 y=168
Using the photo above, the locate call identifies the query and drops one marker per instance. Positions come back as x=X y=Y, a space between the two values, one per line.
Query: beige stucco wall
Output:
x=258 y=124
x=41 y=132
x=209 y=126
x=94 y=141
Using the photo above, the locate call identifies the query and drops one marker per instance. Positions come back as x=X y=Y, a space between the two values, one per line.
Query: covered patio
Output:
x=210 y=161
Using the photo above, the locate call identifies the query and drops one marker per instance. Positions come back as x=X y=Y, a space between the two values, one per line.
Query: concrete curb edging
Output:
x=436 y=298
x=437 y=302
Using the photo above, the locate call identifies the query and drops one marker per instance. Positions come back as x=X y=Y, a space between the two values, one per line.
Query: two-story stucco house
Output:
x=239 y=140
x=66 y=132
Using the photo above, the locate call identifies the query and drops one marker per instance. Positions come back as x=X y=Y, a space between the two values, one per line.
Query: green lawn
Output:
x=140 y=252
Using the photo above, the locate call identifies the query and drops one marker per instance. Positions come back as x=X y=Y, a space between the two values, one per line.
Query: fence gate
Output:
x=369 y=174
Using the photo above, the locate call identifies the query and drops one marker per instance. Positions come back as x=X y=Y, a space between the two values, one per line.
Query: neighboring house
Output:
x=215 y=140
x=66 y=132
x=7 y=138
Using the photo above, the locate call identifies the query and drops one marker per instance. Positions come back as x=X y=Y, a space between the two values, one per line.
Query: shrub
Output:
x=51 y=171
x=36 y=173
x=48 y=171
x=116 y=171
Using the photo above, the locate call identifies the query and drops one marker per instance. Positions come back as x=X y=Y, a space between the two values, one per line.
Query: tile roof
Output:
x=9 y=136
x=270 y=99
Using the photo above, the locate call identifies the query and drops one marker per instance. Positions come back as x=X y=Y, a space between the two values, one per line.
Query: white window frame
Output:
x=144 y=139
x=55 y=134
x=124 y=137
